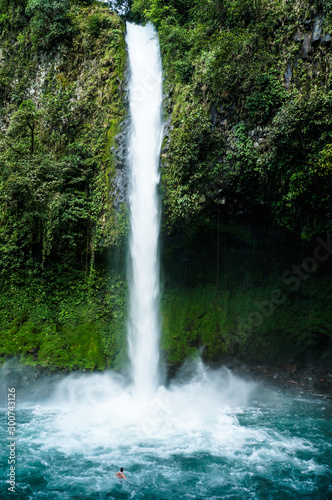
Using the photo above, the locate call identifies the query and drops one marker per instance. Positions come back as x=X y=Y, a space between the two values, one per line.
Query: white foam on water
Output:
x=96 y=424
x=99 y=411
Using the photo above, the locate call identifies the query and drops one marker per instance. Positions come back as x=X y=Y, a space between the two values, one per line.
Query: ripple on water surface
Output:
x=213 y=435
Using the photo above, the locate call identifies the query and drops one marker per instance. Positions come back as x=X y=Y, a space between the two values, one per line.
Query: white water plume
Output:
x=208 y=435
x=145 y=98
x=99 y=408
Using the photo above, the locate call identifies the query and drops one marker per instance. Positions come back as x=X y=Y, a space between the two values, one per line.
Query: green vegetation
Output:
x=246 y=175
x=243 y=303
x=62 y=321
x=55 y=159
x=249 y=84
x=61 y=105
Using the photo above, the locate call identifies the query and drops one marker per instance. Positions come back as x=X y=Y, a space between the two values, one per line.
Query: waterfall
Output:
x=145 y=137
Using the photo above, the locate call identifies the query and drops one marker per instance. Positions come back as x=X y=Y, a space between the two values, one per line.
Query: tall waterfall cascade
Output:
x=208 y=433
x=145 y=138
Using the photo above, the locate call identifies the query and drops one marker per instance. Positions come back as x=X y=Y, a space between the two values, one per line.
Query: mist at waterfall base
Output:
x=208 y=435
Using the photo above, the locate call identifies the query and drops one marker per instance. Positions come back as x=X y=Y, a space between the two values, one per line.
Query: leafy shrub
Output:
x=266 y=98
x=50 y=23
x=297 y=164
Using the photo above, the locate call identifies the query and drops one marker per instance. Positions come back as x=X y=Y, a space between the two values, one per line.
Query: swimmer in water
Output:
x=120 y=474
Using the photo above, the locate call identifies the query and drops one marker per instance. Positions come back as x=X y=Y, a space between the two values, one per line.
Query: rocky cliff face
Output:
x=249 y=96
x=62 y=107
x=246 y=175
x=76 y=85
x=246 y=167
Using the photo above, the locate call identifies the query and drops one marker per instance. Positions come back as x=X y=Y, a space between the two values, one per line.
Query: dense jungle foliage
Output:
x=249 y=83
x=247 y=148
x=61 y=106
x=246 y=179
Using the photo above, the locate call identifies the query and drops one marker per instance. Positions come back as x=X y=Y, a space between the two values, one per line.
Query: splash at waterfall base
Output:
x=209 y=434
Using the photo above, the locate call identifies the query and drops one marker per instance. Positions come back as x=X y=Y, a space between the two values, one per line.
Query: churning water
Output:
x=145 y=98
x=209 y=435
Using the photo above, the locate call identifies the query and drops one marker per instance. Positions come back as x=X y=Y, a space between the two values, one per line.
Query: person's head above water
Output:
x=121 y=469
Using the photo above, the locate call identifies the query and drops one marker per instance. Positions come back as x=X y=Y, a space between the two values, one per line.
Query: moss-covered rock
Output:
x=249 y=86
x=247 y=292
x=61 y=109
